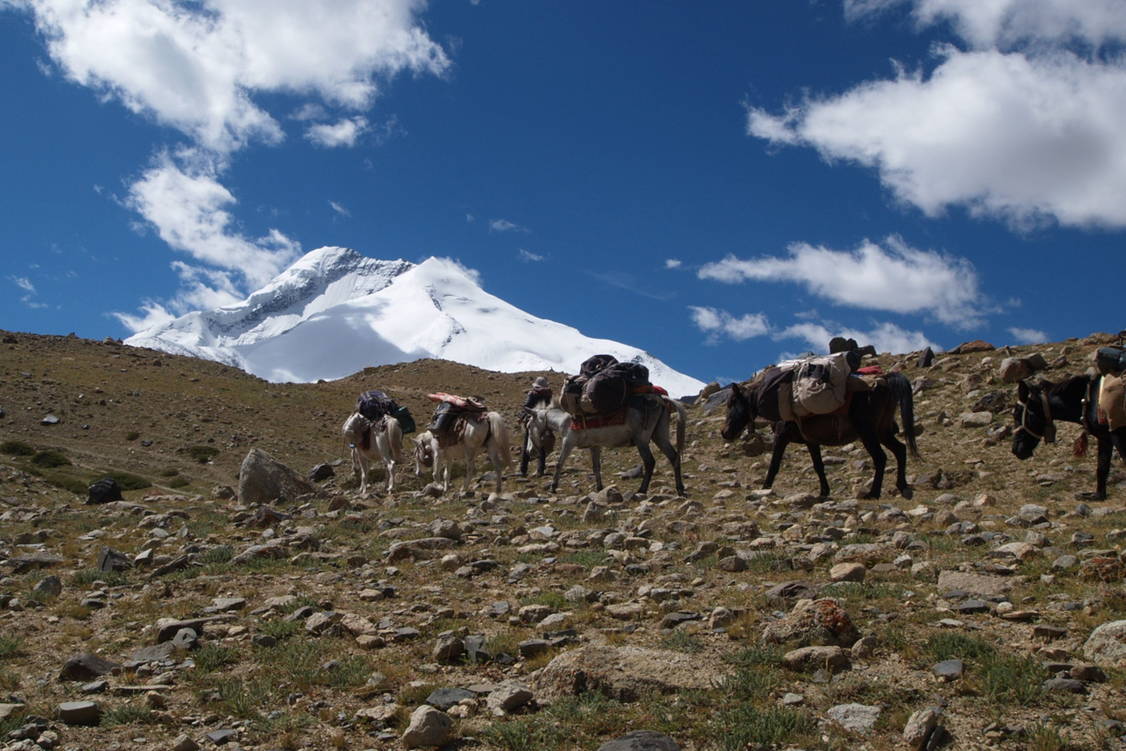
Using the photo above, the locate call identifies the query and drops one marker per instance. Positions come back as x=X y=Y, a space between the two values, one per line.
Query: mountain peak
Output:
x=334 y=312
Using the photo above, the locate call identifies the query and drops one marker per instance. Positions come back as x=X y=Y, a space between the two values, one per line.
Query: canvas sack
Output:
x=820 y=384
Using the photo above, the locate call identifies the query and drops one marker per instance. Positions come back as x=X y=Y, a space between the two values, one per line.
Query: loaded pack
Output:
x=374 y=404
x=1111 y=364
x=451 y=415
x=811 y=386
x=604 y=386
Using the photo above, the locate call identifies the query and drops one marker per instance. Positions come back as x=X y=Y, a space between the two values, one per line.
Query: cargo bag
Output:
x=1110 y=360
x=820 y=384
x=374 y=404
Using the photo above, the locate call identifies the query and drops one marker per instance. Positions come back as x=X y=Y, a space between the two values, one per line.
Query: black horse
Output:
x=1039 y=405
x=871 y=419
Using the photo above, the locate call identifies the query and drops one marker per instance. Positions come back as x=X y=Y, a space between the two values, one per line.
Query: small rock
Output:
x=859 y=718
x=507 y=697
x=949 y=670
x=848 y=572
x=833 y=659
x=86 y=667
x=920 y=727
x=184 y=743
x=641 y=740
x=80 y=712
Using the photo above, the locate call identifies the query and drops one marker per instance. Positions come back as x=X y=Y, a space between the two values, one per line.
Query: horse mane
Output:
x=1073 y=387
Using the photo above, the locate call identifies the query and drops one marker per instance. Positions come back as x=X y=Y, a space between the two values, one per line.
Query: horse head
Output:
x=740 y=412
x=1033 y=418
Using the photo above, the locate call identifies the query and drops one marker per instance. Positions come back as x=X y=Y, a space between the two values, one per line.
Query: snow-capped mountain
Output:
x=335 y=312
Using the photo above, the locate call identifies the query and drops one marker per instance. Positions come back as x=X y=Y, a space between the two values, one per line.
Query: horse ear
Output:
x=735 y=389
x=1023 y=391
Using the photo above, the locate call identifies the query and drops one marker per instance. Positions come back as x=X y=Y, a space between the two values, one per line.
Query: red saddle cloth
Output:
x=871 y=370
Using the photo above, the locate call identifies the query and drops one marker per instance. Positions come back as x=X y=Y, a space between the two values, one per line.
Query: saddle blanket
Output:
x=599 y=421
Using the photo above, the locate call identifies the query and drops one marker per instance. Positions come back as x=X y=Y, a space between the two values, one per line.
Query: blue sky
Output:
x=716 y=183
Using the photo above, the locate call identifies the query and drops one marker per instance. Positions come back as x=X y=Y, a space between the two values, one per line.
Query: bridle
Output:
x=1049 y=435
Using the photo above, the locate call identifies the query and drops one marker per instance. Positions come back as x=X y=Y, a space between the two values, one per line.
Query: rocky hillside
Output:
x=987 y=611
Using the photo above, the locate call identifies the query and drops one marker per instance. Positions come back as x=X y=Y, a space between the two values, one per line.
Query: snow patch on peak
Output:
x=334 y=312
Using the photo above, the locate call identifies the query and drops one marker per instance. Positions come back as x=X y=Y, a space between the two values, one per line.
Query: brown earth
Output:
x=696 y=577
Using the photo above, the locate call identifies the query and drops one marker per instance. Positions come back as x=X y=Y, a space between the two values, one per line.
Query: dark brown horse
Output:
x=1039 y=405
x=871 y=419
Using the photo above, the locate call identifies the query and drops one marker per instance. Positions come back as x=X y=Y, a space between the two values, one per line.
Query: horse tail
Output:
x=498 y=432
x=681 y=426
x=901 y=391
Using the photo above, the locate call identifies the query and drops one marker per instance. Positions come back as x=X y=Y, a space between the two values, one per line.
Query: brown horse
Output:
x=871 y=419
x=1039 y=405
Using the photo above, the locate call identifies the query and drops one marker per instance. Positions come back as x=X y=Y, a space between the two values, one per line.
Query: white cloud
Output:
x=673 y=263
x=189 y=211
x=897 y=278
x=309 y=111
x=469 y=218
x=23 y=283
x=1021 y=126
x=1028 y=336
x=886 y=337
x=153 y=314
x=341 y=133
x=718 y=324
x=196 y=66
x=528 y=256
x=503 y=225
x=339 y=209
x=1003 y=23
x=201 y=289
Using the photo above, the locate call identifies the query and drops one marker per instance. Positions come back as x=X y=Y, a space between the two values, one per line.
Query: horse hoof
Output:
x=870 y=496
x=907 y=493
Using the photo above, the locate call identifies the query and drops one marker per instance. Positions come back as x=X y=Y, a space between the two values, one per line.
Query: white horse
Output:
x=386 y=445
x=491 y=434
x=647 y=420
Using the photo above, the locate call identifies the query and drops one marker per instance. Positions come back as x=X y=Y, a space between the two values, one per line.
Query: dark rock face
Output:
x=86 y=667
x=104 y=490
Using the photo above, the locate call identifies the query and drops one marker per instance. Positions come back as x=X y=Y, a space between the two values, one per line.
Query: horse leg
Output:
x=596 y=466
x=525 y=454
x=819 y=467
x=1102 y=471
x=358 y=462
x=661 y=438
x=879 y=461
x=647 y=460
x=541 y=468
x=565 y=448
x=900 y=452
x=781 y=440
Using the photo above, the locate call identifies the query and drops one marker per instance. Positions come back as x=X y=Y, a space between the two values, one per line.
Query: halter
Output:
x=1049 y=435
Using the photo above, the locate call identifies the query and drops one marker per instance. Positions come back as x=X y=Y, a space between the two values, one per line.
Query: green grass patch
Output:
x=1012 y=680
x=682 y=641
x=128 y=714
x=588 y=558
x=348 y=672
x=550 y=598
x=50 y=458
x=745 y=726
x=212 y=657
x=768 y=562
x=9 y=647
x=16 y=448
x=64 y=480
x=9 y=681
x=949 y=645
x=280 y=630
x=88 y=576
x=178 y=482
x=128 y=481
x=217 y=554
x=244 y=698
x=202 y=454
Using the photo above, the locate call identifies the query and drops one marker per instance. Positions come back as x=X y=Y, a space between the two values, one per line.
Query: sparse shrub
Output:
x=169 y=472
x=1012 y=680
x=75 y=485
x=244 y=699
x=347 y=672
x=16 y=448
x=178 y=482
x=217 y=554
x=549 y=598
x=50 y=458
x=202 y=454
x=132 y=435
x=949 y=645
x=525 y=734
x=1046 y=738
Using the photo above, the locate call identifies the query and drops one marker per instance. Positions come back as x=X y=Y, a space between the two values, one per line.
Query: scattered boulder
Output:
x=813 y=622
x=263 y=479
x=858 y=718
x=86 y=667
x=1107 y=644
x=920 y=727
x=80 y=712
x=977 y=345
x=428 y=727
x=624 y=673
x=641 y=740
x=832 y=659
x=105 y=490
x=321 y=472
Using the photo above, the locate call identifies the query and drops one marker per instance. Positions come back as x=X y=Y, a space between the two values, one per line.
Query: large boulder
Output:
x=1107 y=644
x=813 y=622
x=263 y=479
x=428 y=727
x=641 y=740
x=623 y=673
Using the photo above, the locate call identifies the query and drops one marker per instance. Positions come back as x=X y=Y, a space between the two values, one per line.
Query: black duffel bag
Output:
x=1110 y=360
